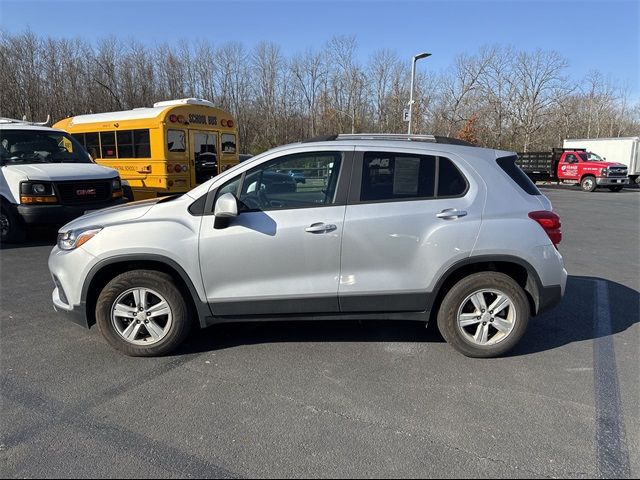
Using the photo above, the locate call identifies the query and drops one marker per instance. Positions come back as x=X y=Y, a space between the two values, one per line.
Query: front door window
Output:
x=295 y=181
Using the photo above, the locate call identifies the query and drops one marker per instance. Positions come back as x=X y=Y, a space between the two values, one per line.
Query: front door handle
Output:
x=321 y=228
x=451 y=213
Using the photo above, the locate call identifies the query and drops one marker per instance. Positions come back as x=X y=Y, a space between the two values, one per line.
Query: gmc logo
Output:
x=85 y=192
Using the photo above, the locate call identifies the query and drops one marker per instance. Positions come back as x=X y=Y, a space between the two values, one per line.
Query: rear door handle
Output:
x=451 y=213
x=321 y=228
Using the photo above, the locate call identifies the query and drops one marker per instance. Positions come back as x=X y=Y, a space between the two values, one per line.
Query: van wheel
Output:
x=142 y=313
x=617 y=188
x=11 y=229
x=588 y=183
x=127 y=193
x=484 y=315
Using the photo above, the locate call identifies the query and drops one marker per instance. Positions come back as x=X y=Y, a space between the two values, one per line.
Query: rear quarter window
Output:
x=508 y=164
x=451 y=183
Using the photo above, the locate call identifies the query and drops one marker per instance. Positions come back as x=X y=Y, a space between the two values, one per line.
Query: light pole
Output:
x=413 y=78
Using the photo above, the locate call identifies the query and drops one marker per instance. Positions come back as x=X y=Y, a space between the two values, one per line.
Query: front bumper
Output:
x=59 y=214
x=612 y=181
x=69 y=270
x=74 y=313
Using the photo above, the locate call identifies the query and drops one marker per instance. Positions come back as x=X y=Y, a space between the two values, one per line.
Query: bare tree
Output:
x=506 y=98
x=309 y=72
x=537 y=81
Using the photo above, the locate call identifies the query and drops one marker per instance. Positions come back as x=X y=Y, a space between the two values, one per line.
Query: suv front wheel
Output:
x=484 y=315
x=142 y=313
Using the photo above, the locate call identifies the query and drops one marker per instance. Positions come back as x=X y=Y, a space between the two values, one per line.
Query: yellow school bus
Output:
x=167 y=149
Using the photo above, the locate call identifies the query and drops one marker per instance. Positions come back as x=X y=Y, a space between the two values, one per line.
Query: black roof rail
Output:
x=391 y=137
x=321 y=138
x=453 y=141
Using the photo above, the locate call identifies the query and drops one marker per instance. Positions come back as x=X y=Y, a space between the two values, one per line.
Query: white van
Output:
x=48 y=178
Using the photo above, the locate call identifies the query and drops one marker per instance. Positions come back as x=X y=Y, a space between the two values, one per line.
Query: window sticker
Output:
x=405 y=176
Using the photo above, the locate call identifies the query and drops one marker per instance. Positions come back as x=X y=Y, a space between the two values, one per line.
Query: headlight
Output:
x=37 y=192
x=72 y=239
x=604 y=172
x=38 y=189
x=116 y=188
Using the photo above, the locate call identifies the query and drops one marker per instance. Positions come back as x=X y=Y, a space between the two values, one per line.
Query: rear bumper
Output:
x=551 y=296
x=59 y=214
x=612 y=181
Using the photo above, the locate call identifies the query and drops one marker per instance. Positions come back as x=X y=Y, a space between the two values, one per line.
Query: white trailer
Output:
x=622 y=150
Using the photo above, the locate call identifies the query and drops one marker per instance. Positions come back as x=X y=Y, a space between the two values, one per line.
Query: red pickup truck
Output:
x=574 y=166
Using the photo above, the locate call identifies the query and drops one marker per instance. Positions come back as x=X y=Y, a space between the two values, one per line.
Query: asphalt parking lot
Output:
x=337 y=399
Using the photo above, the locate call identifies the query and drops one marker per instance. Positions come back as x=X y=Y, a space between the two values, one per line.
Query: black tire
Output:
x=617 y=188
x=452 y=303
x=588 y=183
x=159 y=282
x=12 y=230
x=127 y=193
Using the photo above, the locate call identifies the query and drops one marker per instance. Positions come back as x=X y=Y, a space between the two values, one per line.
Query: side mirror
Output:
x=226 y=206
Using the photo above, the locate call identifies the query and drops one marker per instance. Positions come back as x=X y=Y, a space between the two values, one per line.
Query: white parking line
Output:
x=611 y=444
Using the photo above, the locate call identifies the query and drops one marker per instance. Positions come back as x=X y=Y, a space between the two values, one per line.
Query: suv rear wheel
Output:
x=142 y=313
x=484 y=315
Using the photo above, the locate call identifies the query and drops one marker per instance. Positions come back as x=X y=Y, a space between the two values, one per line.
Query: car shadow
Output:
x=36 y=237
x=576 y=319
x=571 y=321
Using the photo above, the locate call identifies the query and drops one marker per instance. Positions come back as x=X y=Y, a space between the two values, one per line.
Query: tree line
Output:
x=497 y=96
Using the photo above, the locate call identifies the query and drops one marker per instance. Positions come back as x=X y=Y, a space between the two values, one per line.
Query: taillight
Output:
x=550 y=222
x=177 y=168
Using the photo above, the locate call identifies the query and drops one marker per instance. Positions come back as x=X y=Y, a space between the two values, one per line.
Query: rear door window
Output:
x=397 y=176
x=388 y=176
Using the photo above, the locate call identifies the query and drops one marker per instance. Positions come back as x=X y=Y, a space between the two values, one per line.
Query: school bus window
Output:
x=80 y=138
x=176 y=141
x=204 y=143
x=142 y=144
x=108 y=143
x=125 y=143
x=92 y=143
x=228 y=143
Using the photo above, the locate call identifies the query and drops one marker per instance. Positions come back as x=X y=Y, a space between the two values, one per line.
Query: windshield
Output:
x=39 y=146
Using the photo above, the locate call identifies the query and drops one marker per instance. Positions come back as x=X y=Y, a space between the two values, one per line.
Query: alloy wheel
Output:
x=141 y=316
x=486 y=317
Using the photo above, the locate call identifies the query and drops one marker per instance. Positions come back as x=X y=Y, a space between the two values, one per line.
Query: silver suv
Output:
x=383 y=227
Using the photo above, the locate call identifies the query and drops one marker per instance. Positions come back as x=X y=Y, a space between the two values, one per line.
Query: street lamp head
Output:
x=421 y=55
